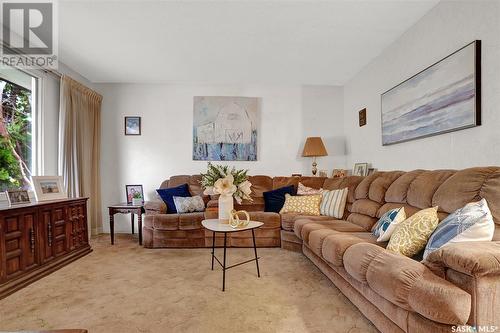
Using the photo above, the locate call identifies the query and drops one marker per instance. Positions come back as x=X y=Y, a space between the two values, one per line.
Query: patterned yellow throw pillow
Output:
x=306 y=204
x=413 y=233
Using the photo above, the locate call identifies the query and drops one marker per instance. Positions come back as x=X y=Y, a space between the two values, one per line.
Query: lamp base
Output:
x=314 y=168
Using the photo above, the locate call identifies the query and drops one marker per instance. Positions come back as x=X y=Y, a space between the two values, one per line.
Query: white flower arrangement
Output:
x=222 y=180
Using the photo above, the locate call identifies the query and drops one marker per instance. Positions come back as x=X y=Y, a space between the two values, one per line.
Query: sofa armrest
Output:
x=471 y=258
x=155 y=207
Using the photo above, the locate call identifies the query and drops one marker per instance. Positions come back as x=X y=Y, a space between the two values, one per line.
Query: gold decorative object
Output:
x=234 y=219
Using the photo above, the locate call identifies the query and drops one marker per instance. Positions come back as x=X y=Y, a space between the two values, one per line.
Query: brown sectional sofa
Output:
x=458 y=284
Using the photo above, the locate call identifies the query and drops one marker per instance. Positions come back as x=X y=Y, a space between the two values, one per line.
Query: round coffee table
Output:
x=215 y=225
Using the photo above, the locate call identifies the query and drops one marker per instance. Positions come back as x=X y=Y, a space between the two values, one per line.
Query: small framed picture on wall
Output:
x=132 y=125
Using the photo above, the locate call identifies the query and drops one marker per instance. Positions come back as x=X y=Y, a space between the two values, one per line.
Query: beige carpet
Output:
x=126 y=288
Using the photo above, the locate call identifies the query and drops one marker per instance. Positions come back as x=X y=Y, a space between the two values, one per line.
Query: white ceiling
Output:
x=277 y=42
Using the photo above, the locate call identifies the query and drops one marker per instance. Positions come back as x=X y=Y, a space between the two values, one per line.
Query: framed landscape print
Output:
x=48 y=188
x=442 y=98
x=132 y=125
x=225 y=128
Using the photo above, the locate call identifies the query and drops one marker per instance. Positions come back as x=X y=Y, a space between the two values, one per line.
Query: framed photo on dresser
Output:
x=49 y=188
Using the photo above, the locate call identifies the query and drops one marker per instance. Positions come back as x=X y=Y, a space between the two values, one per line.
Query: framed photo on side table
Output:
x=133 y=191
x=360 y=169
x=48 y=188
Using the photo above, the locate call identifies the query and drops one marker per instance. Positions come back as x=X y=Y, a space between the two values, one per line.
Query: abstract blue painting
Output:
x=225 y=128
x=444 y=97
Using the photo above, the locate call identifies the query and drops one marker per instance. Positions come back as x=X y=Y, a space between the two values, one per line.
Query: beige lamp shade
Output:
x=314 y=147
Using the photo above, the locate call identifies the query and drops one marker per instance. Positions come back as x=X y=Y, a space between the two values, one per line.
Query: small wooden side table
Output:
x=125 y=208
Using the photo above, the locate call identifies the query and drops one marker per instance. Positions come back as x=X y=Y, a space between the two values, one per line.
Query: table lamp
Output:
x=314 y=147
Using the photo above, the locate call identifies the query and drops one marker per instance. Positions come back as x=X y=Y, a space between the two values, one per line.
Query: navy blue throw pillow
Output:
x=168 y=194
x=275 y=199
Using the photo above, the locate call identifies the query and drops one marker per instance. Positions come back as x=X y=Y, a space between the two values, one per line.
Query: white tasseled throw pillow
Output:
x=333 y=203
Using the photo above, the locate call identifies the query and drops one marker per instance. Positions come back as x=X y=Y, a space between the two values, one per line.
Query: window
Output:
x=17 y=90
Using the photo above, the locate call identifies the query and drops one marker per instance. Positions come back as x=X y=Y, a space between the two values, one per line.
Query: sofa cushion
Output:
x=316 y=239
x=308 y=204
x=333 y=203
x=286 y=181
x=165 y=221
x=335 y=245
x=471 y=223
x=260 y=184
x=288 y=219
x=398 y=190
x=380 y=185
x=256 y=205
x=167 y=195
x=408 y=284
x=366 y=207
x=191 y=221
x=303 y=227
x=364 y=221
x=423 y=187
x=411 y=236
x=275 y=199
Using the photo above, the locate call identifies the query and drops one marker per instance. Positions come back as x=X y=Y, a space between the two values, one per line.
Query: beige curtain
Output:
x=79 y=146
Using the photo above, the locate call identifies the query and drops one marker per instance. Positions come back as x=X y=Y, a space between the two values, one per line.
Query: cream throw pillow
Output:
x=412 y=234
x=306 y=190
x=333 y=203
x=305 y=204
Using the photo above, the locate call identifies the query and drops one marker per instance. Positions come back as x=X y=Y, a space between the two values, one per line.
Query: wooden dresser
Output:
x=39 y=238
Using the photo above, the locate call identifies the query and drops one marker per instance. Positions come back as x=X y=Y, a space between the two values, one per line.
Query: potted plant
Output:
x=228 y=183
x=137 y=199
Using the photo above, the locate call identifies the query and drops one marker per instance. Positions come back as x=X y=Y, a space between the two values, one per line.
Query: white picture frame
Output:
x=48 y=188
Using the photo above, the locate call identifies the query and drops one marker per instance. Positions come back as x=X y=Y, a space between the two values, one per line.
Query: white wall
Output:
x=446 y=28
x=287 y=115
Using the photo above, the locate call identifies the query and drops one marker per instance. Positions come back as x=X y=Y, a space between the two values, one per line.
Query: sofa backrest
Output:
x=420 y=189
x=370 y=197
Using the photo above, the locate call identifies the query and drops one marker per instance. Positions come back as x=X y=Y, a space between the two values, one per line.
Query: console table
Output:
x=39 y=238
x=125 y=208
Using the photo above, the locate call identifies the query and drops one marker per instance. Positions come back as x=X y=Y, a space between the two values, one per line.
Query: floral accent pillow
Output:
x=305 y=204
x=189 y=204
x=306 y=190
x=412 y=234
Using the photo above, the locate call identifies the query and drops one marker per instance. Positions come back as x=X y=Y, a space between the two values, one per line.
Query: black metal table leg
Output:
x=224 y=265
x=213 y=249
x=132 y=219
x=255 y=251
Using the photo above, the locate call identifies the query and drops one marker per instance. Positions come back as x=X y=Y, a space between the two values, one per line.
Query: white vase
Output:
x=225 y=207
x=137 y=202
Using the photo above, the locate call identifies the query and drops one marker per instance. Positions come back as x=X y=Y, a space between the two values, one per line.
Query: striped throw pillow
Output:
x=333 y=203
